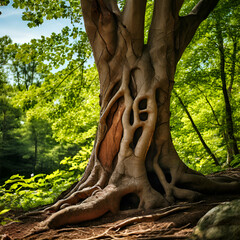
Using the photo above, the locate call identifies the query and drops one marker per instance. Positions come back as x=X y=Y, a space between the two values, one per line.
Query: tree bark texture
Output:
x=133 y=151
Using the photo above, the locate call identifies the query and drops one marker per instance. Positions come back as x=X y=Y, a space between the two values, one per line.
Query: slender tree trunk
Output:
x=212 y=109
x=208 y=150
x=4 y=126
x=3 y=138
x=232 y=143
x=18 y=78
x=233 y=66
x=35 y=153
x=35 y=141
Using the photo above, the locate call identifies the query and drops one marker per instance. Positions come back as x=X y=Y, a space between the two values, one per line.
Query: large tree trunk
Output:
x=133 y=151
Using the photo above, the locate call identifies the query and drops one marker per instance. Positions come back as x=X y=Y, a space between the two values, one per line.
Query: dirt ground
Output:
x=174 y=222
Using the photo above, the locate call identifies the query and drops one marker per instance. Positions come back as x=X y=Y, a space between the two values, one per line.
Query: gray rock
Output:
x=220 y=223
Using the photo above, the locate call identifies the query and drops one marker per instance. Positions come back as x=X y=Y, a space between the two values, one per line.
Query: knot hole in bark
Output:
x=131 y=121
x=155 y=183
x=115 y=89
x=168 y=175
x=136 y=137
x=143 y=116
x=129 y=201
x=132 y=84
x=142 y=104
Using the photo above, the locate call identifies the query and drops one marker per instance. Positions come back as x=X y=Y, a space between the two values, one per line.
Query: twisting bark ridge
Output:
x=133 y=151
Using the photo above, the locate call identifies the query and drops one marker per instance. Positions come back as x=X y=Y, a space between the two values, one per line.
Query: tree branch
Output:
x=100 y=23
x=210 y=105
x=162 y=17
x=91 y=28
x=161 y=43
x=178 y=5
x=133 y=19
x=190 y=23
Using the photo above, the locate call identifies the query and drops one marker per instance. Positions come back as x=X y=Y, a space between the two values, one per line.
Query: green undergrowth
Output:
x=3 y=218
x=207 y=166
x=21 y=193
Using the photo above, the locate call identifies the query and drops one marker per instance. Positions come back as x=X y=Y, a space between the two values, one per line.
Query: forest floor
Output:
x=174 y=222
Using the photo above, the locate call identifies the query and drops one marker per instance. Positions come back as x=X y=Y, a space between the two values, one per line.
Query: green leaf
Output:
x=4 y=211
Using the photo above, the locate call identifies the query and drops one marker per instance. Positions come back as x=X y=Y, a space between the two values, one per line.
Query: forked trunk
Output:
x=133 y=146
x=133 y=151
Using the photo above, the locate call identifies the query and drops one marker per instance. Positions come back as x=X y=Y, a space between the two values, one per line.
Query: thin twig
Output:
x=55 y=87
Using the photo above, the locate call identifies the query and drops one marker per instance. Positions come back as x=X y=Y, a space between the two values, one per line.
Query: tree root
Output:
x=96 y=205
x=75 y=198
x=37 y=230
x=205 y=185
x=150 y=233
x=93 y=202
x=5 y=237
x=31 y=214
x=146 y=218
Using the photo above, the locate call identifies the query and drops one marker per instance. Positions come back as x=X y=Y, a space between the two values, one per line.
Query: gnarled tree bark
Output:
x=133 y=151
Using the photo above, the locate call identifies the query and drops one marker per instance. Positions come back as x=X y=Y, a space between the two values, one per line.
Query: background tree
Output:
x=35 y=92
x=197 y=131
x=196 y=78
x=232 y=146
x=10 y=144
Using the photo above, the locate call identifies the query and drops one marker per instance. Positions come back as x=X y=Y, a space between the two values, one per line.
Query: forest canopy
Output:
x=49 y=101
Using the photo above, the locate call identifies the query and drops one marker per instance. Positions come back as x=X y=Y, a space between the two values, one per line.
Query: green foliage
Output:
x=56 y=124
x=198 y=82
x=4 y=2
x=44 y=124
x=37 y=11
x=19 y=192
x=10 y=144
x=49 y=115
x=236 y=161
x=3 y=219
x=148 y=18
x=76 y=110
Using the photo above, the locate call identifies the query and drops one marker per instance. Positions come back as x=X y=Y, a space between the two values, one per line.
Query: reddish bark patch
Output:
x=111 y=143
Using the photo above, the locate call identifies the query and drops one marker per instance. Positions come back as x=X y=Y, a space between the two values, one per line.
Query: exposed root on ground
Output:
x=146 y=218
x=149 y=233
x=134 y=220
x=93 y=202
